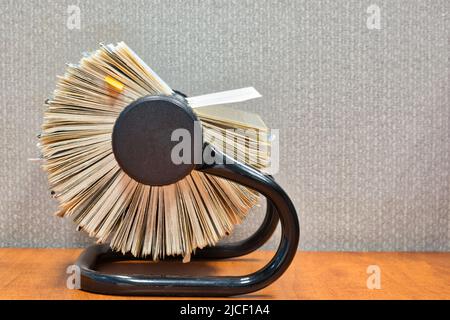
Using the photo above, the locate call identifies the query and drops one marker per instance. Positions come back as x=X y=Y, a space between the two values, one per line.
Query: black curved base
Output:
x=279 y=208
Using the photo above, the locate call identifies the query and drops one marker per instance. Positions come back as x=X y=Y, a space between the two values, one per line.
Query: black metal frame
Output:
x=279 y=207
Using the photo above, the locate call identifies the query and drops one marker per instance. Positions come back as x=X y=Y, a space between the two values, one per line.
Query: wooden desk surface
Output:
x=41 y=274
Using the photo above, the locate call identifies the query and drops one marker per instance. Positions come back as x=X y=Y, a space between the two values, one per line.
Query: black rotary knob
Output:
x=142 y=139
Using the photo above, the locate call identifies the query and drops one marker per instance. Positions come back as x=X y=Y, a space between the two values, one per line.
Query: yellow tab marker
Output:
x=115 y=84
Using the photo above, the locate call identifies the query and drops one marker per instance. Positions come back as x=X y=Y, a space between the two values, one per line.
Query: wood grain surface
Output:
x=41 y=274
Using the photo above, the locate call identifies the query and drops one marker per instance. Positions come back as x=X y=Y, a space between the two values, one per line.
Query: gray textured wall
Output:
x=363 y=114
